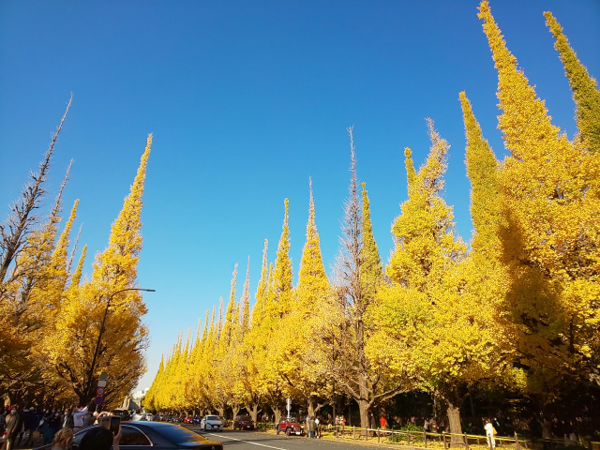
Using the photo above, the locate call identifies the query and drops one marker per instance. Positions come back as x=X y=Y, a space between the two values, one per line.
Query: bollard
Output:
x=517 y=441
x=466 y=442
x=378 y=436
x=425 y=438
x=407 y=437
x=444 y=439
x=353 y=433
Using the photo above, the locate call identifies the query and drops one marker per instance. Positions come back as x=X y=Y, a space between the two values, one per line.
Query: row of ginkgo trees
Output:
x=519 y=309
x=53 y=341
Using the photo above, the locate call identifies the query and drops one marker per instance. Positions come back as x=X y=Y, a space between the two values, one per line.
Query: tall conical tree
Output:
x=313 y=285
x=482 y=170
x=551 y=203
x=58 y=265
x=230 y=318
x=584 y=87
x=258 y=312
x=283 y=277
x=76 y=278
x=84 y=349
x=245 y=304
x=372 y=273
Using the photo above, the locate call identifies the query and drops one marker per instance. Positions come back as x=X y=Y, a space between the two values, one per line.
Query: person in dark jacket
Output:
x=67 y=421
x=13 y=428
x=30 y=421
x=53 y=427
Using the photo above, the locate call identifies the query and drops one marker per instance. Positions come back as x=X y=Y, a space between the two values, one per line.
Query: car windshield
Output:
x=212 y=418
x=244 y=418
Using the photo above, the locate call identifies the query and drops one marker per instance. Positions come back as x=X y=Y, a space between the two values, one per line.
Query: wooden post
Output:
x=378 y=436
x=407 y=437
x=517 y=441
x=353 y=433
x=466 y=442
x=444 y=439
x=425 y=438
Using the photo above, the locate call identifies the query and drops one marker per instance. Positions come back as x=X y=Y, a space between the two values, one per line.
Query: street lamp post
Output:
x=91 y=373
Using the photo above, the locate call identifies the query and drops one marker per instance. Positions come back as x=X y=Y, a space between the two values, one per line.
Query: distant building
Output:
x=140 y=394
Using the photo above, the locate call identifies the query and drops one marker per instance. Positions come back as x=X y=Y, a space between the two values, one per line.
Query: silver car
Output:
x=209 y=423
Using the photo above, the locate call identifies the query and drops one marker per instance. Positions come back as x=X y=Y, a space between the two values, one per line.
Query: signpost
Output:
x=100 y=390
x=288 y=406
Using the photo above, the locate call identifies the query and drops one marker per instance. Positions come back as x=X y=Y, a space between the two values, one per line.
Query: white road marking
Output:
x=247 y=442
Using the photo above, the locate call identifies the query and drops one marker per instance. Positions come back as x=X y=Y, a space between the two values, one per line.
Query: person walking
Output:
x=489 y=433
x=52 y=428
x=311 y=427
x=30 y=422
x=67 y=420
x=13 y=428
x=383 y=423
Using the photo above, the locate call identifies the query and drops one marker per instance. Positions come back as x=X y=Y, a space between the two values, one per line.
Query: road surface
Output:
x=248 y=440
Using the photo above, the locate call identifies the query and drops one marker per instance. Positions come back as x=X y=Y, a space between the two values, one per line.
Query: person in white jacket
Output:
x=79 y=418
x=489 y=433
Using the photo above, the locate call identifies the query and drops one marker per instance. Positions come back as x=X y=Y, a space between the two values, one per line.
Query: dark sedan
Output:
x=155 y=436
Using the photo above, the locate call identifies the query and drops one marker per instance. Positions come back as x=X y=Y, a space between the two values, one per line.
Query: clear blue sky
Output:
x=246 y=100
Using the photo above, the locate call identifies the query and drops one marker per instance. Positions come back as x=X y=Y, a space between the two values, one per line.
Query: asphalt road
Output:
x=248 y=440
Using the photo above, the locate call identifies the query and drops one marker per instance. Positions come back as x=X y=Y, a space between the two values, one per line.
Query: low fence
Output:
x=438 y=441
x=423 y=439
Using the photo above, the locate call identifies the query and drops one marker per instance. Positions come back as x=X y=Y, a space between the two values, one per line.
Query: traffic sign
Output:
x=101 y=383
x=99 y=391
x=98 y=400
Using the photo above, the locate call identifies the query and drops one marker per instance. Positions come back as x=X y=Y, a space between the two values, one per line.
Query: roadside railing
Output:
x=425 y=439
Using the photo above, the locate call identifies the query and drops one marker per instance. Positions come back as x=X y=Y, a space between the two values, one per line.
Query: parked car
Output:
x=290 y=426
x=196 y=420
x=160 y=436
x=211 y=423
x=188 y=419
x=243 y=423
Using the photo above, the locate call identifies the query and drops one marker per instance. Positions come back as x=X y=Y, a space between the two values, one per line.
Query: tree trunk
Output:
x=363 y=408
x=236 y=410
x=253 y=411
x=277 y=413
x=455 y=427
x=221 y=410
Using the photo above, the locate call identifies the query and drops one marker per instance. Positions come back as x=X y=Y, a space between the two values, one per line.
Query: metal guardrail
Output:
x=421 y=439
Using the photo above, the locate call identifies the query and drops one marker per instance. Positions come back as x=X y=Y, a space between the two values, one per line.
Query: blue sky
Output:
x=246 y=100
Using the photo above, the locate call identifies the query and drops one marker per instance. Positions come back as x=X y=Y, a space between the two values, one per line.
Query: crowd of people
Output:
x=54 y=427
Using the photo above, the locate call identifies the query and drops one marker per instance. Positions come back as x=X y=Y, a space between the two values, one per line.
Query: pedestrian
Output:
x=30 y=422
x=63 y=439
x=311 y=427
x=79 y=418
x=53 y=426
x=489 y=433
x=67 y=420
x=318 y=427
x=382 y=423
x=13 y=428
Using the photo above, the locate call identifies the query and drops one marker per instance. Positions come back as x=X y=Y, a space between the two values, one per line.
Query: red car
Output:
x=188 y=419
x=243 y=423
x=290 y=426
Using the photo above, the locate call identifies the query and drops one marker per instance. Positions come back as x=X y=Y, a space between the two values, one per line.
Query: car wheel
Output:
x=288 y=431
x=278 y=430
